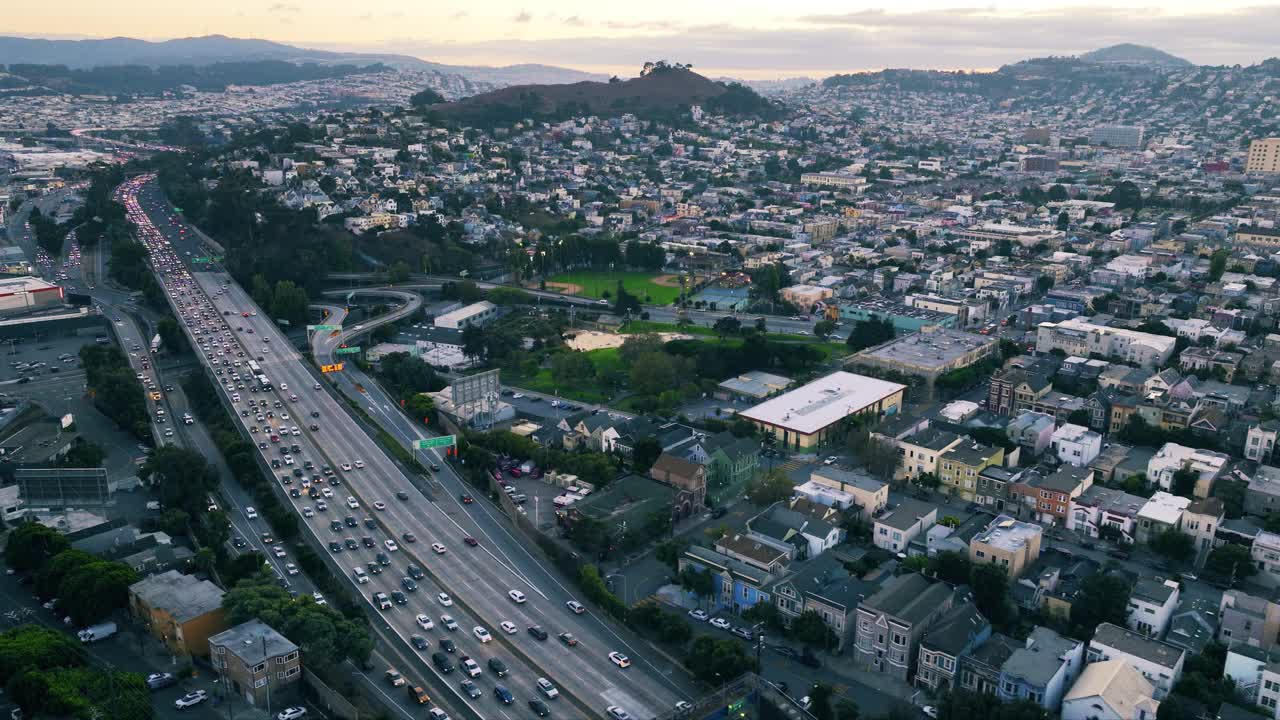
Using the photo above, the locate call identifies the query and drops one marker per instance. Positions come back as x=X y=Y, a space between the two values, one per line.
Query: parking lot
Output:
x=33 y=359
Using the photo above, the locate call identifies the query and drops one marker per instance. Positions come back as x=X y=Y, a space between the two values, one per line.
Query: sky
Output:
x=752 y=39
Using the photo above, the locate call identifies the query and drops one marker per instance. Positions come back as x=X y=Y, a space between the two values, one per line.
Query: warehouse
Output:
x=810 y=415
x=474 y=314
x=25 y=294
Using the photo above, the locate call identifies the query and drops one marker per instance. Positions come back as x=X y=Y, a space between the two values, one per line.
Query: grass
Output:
x=606 y=361
x=596 y=283
x=636 y=327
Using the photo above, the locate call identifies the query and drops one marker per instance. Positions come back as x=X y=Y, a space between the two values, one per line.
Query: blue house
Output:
x=737 y=586
x=1042 y=670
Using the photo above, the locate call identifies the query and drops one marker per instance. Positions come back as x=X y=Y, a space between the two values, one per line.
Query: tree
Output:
x=398 y=272
x=624 y=302
x=325 y=636
x=774 y=486
x=965 y=705
x=847 y=709
x=31 y=545
x=37 y=647
x=182 y=477
x=669 y=551
x=655 y=372
x=1174 y=544
x=699 y=582
x=94 y=590
x=868 y=333
x=425 y=97
x=820 y=702
x=1103 y=598
x=82 y=693
x=1218 y=264
x=1079 y=416
x=1184 y=481
x=823 y=328
x=473 y=342
x=635 y=346
x=1064 y=221
x=813 y=631
x=572 y=368
x=289 y=302
x=727 y=325
x=951 y=567
x=715 y=661
x=990 y=585
x=1230 y=562
x=645 y=454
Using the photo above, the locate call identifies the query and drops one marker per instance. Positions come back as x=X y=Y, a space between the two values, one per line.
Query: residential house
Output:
x=869 y=494
x=1110 y=690
x=1102 y=511
x=1014 y=389
x=1159 y=662
x=1042 y=669
x=1172 y=457
x=736 y=585
x=1194 y=626
x=731 y=463
x=1260 y=441
x=892 y=621
x=1076 y=444
x=823 y=586
x=945 y=643
x=980 y=669
x=894 y=530
x=1162 y=512
x=1008 y=543
x=1151 y=606
x=1047 y=498
x=689 y=478
x=762 y=553
x=1032 y=431
x=993 y=488
x=1248 y=619
x=1208 y=362
x=918 y=454
x=1265 y=552
x=257 y=663
x=959 y=466
x=1262 y=497
x=1201 y=520
x=1269 y=689
x=182 y=611
x=811 y=536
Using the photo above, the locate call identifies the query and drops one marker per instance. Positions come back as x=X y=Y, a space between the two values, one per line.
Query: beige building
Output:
x=1264 y=156
x=182 y=611
x=870 y=495
x=811 y=414
x=918 y=454
x=805 y=296
x=260 y=664
x=1011 y=544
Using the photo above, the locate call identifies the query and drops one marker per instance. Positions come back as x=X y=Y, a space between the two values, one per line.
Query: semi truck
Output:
x=94 y=633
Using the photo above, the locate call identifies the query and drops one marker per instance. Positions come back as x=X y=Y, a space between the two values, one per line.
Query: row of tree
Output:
x=115 y=389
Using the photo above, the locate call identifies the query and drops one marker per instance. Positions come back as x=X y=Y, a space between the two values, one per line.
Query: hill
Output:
x=664 y=93
x=1131 y=54
x=210 y=49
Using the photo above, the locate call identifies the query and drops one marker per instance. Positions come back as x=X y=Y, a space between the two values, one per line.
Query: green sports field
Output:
x=651 y=288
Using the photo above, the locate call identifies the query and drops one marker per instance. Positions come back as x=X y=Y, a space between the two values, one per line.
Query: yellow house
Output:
x=959 y=467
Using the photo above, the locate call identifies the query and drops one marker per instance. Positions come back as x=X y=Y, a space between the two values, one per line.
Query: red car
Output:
x=470 y=541
x=467 y=499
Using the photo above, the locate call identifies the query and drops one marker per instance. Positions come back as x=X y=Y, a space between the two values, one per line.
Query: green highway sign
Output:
x=435 y=442
x=347 y=350
x=323 y=328
x=202 y=259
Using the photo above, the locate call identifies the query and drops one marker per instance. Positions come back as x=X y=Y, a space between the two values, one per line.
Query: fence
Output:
x=333 y=702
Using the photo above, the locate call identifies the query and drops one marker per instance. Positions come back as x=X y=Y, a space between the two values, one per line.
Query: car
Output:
x=683 y=707
x=504 y=695
x=470 y=541
x=390 y=545
x=508 y=627
x=346 y=467
x=469 y=666
x=425 y=622
x=335 y=547
x=929 y=711
x=291 y=569
x=191 y=699
x=546 y=687
x=369 y=523
x=399 y=597
x=831 y=460
x=359 y=464
x=719 y=512
x=517 y=596
x=442 y=662
x=448 y=622
x=379 y=505
x=239 y=542
x=250 y=513
x=539 y=708
x=319 y=598
x=157 y=681
x=617 y=713
x=743 y=632
x=699 y=614
x=720 y=623
x=537 y=632
x=308 y=512
x=335 y=525
x=481 y=634
x=576 y=607
x=444 y=599
x=352 y=502
x=368 y=542
x=418 y=695
x=402 y=495
x=619 y=659
x=470 y=689
x=409 y=537
x=448 y=645
x=394 y=677
x=415 y=572
x=292 y=713
x=351 y=544
x=466 y=499
x=568 y=639
x=382 y=559
x=438 y=548
x=419 y=642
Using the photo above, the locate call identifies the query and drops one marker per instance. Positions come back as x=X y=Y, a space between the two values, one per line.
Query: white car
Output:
x=346 y=467
x=308 y=512
x=425 y=622
x=379 y=505
x=250 y=513
x=445 y=600
x=440 y=549
x=293 y=713
x=619 y=659
x=191 y=699
x=700 y=615
x=720 y=623
x=291 y=568
x=617 y=713
x=470 y=667
x=929 y=711
x=516 y=596
x=390 y=545
x=448 y=622
x=576 y=607
x=352 y=502
x=831 y=460
x=481 y=634
x=278 y=550
x=547 y=688
x=437 y=714
x=359 y=464
x=322 y=505
x=508 y=627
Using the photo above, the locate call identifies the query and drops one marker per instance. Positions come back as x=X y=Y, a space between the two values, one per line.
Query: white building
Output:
x=895 y=530
x=1260 y=442
x=1159 y=662
x=1269 y=689
x=1265 y=552
x=1110 y=690
x=1078 y=336
x=474 y=314
x=1076 y=444
x=1162 y=512
x=1151 y=606
x=1173 y=457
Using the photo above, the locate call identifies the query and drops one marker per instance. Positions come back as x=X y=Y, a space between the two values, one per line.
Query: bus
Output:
x=263 y=381
x=254 y=367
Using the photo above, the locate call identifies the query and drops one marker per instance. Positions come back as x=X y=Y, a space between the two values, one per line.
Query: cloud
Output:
x=574 y=21
x=284 y=8
x=523 y=17
x=974 y=37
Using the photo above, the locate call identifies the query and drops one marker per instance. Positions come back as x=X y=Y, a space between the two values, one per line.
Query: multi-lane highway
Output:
x=403 y=520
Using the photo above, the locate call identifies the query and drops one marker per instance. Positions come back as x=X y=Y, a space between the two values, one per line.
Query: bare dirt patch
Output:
x=566 y=288
x=588 y=340
x=672 y=281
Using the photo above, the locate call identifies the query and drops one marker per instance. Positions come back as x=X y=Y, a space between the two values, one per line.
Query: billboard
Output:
x=62 y=487
x=476 y=389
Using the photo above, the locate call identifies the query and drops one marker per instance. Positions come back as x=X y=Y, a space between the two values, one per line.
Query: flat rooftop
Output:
x=825 y=401
x=932 y=350
x=1008 y=534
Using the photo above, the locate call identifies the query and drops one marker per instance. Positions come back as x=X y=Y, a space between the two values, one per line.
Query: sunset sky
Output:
x=744 y=38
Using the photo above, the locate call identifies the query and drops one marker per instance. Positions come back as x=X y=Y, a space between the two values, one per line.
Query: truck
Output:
x=94 y=633
x=155 y=344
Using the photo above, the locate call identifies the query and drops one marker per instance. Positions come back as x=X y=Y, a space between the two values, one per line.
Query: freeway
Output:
x=477 y=578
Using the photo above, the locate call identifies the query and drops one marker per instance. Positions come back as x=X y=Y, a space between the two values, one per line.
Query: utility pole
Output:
x=759 y=668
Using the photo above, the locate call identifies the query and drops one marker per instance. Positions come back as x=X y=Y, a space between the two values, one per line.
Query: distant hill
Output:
x=1131 y=54
x=663 y=93
x=209 y=49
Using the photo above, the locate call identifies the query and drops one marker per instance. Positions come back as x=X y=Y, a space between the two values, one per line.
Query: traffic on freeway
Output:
x=422 y=567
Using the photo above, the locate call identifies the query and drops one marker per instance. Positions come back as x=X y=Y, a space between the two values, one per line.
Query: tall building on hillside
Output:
x=1264 y=156
x=1121 y=136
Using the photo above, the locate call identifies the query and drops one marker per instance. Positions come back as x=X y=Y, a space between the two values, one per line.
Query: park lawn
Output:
x=596 y=283
x=638 y=327
x=605 y=360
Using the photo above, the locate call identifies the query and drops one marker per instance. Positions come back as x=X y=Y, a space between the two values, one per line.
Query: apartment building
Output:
x=892 y=621
x=259 y=663
x=1262 y=497
x=1110 y=690
x=960 y=465
x=895 y=530
x=1008 y=543
x=1151 y=606
x=1172 y=457
x=1042 y=669
x=1260 y=441
x=1080 y=337
x=1047 y=498
x=918 y=454
x=182 y=611
x=1161 y=513
x=1247 y=619
x=1076 y=444
x=1264 y=156
x=944 y=645
x=1160 y=663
